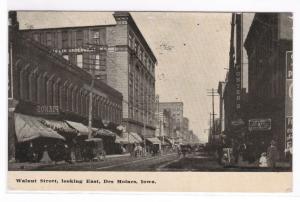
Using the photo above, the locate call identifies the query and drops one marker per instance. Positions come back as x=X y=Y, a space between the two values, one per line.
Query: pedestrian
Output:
x=263 y=160
x=272 y=154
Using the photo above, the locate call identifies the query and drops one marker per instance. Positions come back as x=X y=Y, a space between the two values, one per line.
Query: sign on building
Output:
x=289 y=101
x=259 y=124
x=47 y=110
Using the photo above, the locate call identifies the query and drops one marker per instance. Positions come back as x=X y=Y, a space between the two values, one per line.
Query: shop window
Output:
x=79 y=60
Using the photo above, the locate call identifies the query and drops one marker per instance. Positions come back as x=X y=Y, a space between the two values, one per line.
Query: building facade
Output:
x=269 y=47
x=176 y=111
x=44 y=84
x=116 y=54
x=236 y=82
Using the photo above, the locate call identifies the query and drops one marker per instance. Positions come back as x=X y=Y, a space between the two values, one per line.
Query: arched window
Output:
x=16 y=81
x=73 y=99
x=49 y=91
x=69 y=98
x=83 y=107
x=78 y=98
x=33 y=86
x=56 y=92
x=24 y=83
x=63 y=95
x=87 y=98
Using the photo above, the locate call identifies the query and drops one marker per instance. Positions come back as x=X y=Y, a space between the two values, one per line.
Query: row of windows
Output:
x=95 y=61
x=43 y=89
x=140 y=52
x=70 y=38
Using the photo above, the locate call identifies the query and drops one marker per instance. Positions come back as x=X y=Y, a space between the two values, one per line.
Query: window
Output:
x=96 y=62
x=79 y=38
x=130 y=41
x=102 y=78
x=64 y=39
x=103 y=61
x=96 y=37
x=49 y=39
x=37 y=37
x=136 y=47
x=79 y=60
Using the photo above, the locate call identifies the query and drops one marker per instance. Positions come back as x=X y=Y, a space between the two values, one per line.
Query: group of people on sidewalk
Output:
x=236 y=154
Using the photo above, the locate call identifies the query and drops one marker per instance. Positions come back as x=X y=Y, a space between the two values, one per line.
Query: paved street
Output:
x=121 y=163
x=168 y=162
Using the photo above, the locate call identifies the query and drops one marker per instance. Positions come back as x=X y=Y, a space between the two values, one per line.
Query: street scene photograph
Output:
x=150 y=91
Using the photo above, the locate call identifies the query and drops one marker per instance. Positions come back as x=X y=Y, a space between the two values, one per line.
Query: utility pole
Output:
x=212 y=93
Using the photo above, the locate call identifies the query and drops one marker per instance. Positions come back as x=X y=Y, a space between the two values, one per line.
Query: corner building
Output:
x=119 y=56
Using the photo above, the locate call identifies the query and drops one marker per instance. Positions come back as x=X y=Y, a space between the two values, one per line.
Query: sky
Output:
x=192 y=50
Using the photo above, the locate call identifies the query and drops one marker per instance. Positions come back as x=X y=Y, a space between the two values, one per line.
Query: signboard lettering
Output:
x=289 y=101
x=47 y=110
x=259 y=124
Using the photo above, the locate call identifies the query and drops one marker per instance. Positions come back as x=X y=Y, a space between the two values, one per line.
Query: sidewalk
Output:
x=281 y=165
x=31 y=166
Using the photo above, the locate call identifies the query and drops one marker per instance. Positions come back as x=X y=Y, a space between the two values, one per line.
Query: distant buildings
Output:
x=117 y=55
x=172 y=124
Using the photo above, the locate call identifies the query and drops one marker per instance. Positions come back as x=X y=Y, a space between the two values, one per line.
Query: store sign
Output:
x=47 y=110
x=259 y=124
x=238 y=86
x=289 y=101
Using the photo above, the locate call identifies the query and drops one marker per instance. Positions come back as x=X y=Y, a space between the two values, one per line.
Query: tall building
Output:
x=236 y=83
x=176 y=110
x=221 y=88
x=116 y=54
x=185 y=129
x=269 y=46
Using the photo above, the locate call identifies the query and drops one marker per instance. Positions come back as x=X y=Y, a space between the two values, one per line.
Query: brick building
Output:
x=44 y=84
x=116 y=54
x=269 y=45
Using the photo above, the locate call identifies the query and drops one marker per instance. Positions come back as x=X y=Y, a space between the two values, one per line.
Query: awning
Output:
x=59 y=126
x=29 y=128
x=105 y=132
x=165 y=141
x=82 y=129
x=133 y=138
x=154 y=140
x=136 y=137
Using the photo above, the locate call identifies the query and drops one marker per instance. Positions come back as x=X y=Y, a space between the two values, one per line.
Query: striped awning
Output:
x=30 y=127
x=131 y=139
x=154 y=140
x=105 y=132
x=82 y=129
x=59 y=126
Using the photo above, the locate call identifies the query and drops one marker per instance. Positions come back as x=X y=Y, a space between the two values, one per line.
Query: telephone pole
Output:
x=212 y=93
